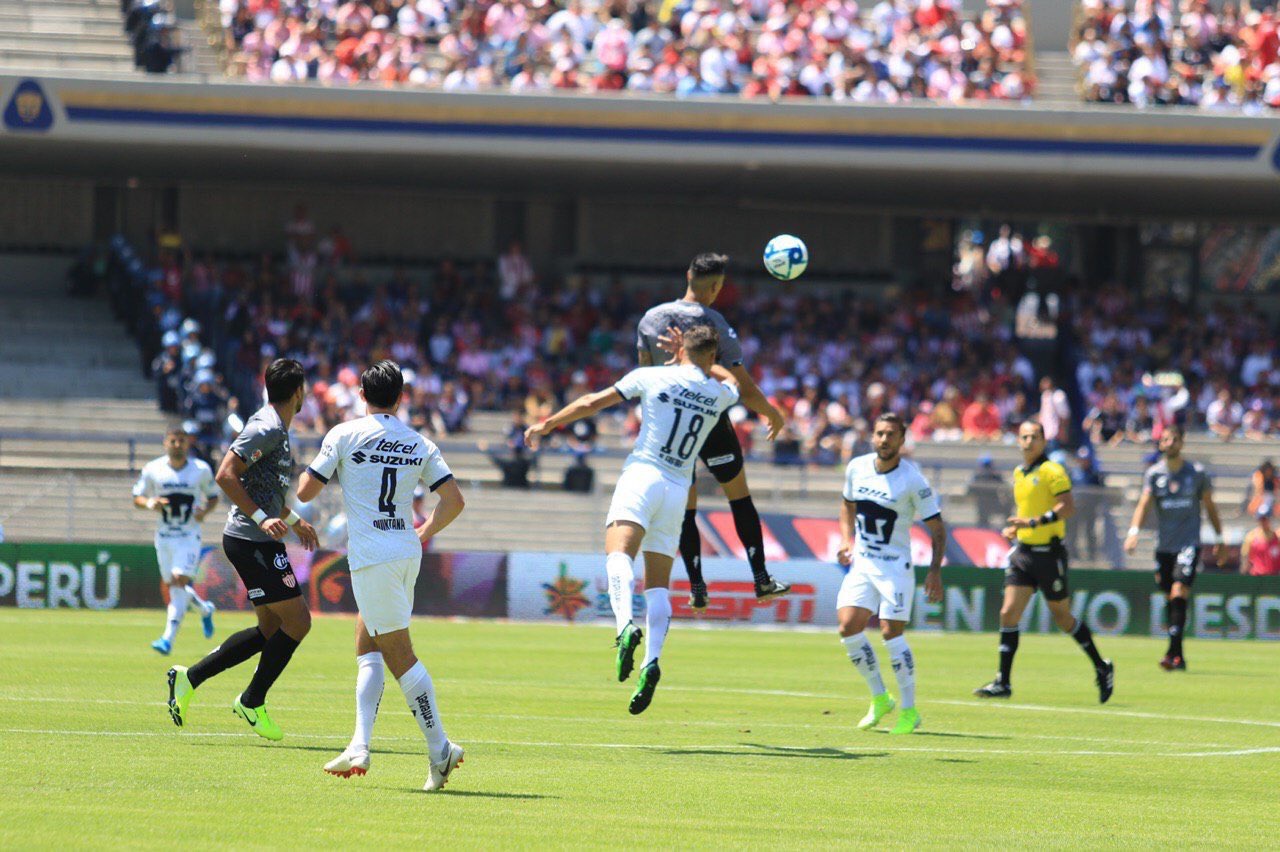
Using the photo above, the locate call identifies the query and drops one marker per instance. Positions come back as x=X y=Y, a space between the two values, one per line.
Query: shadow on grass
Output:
x=334 y=750
x=955 y=735
x=480 y=794
x=758 y=750
x=955 y=760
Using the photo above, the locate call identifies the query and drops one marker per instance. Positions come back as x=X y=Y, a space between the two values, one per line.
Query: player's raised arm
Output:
x=583 y=406
x=754 y=399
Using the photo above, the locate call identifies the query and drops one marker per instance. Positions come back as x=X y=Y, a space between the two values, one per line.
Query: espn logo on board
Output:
x=735 y=601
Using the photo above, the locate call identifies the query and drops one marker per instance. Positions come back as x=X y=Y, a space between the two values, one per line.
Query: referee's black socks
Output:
x=746 y=521
x=1177 y=623
x=691 y=547
x=234 y=650
x=1084 y=636
x=1008 y=647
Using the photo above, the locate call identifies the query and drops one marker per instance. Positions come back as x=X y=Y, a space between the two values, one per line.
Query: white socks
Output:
x=177 y=609
x=621 y=578
x=421 y=696
x=904 y=669
x=863 y=657
x=657 y=619
x=199 y=602
x=370 y=680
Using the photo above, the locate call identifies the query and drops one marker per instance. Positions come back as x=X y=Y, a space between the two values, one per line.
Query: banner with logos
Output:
x=574 y=588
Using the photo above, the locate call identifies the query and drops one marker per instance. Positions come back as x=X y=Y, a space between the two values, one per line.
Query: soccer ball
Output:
x=786 y=257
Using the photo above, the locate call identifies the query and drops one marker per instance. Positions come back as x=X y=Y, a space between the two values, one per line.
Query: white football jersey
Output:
x=678 y=406
x=188 y=491
x=886 y=505
x=379 y=461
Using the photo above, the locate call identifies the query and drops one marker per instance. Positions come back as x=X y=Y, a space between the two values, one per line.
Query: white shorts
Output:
x=384 y=594
x=644 y=496
x=178 y=555
x=888 y=592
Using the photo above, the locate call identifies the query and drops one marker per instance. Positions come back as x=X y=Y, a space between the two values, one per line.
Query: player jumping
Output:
x=680 y=405
x=182 y=490
x=721 y=452
x=378 y=461
x=883 y=495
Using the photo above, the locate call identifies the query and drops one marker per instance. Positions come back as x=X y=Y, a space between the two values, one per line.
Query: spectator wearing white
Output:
x=1005 y=252
x=514 y=272
x=1256 y=365
x=1225 y=415
x=1055 y=411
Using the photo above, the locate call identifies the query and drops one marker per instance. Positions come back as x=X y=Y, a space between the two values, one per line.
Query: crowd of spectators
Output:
x=495 y=336
x=1218 y=55
x=882 y=51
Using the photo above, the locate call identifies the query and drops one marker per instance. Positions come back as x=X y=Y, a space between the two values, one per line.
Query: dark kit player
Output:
x=1177 y=488
x=657 y=337
x=1043 y=502
x=255 y=475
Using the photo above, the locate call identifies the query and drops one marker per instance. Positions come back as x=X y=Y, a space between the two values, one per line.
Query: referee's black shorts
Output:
x=1040 y=566
x=264 y=569
x=1177 y=566
x=722 y=453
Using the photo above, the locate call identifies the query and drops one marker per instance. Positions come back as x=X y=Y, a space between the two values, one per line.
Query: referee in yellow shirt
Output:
x=1042 y=496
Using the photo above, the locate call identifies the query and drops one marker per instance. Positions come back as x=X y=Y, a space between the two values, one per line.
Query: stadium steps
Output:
x=113 y=44
x=59 y=23
x=1057 y=81
x=56 y=35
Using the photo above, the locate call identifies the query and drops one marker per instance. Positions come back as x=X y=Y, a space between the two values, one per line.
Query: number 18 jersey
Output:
x=678 y=406
x=886 y=506
x=378 y=461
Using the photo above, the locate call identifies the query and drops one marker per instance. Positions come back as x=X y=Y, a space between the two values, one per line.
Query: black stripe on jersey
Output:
x=931 y=517
x=625 y=398
x=312 y=471
x=442 y=481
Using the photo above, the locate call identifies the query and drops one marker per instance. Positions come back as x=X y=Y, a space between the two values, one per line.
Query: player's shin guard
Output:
x=421 y=697
x=904 y=670
x=657 y=619
x=863 y=657
x=621 y=577
x=746 y=521
x=691 y=547
x=370 y=681
x=177 y=609
x=1084 y=637
x=1008 y=647
x=1177 y=623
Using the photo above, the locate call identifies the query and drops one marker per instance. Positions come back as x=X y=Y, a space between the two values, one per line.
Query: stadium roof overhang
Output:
x=1098 y=164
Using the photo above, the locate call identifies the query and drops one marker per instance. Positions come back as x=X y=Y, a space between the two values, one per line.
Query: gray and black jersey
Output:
x=1177 y=499
x=263 y=446
x=683 y=315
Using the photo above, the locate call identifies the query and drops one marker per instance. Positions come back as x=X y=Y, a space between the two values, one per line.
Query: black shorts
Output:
x=1177 y=567
x=1040 y=566
x=264 y=569
x=722 y=453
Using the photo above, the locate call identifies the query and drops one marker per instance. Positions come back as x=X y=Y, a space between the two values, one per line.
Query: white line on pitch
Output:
x=1098 y=711
x=763 y=751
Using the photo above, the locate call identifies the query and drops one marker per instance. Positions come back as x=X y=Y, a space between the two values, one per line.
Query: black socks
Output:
x=237 y=648
x=1177 y=623
x=691 y=547
x=1084 y=636
x=1008 y=647
x=746 y=520
x=276 y=654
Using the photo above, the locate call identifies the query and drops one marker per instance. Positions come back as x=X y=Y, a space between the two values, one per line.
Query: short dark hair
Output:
x=382 y=384
x=175 y=430
x=707 y=264
x=1033 y=421
x=701 y=339
x=1176 y=429
x=891 y=417
x=284 y=377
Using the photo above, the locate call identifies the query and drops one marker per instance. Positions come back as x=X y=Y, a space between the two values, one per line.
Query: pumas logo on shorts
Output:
x=282 y=562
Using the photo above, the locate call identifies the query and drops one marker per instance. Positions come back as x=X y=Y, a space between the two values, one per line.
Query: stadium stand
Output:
x=1197 y=53
x=888 y=52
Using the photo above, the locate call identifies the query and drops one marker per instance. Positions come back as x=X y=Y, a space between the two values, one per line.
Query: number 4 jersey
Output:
x=186 y=491
x=378 y=460
x=678 y=407
x=886 y=505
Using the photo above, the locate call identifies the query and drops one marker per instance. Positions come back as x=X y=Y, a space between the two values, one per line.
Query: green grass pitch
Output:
x=750 y=742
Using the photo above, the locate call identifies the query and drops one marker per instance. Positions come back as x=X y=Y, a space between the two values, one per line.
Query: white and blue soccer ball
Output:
x=786 y=257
